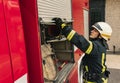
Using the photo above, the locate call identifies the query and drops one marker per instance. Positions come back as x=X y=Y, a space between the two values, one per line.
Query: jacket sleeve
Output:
x=78 y=40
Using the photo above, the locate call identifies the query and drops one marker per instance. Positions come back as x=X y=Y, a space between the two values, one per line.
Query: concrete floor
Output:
x=113 y=64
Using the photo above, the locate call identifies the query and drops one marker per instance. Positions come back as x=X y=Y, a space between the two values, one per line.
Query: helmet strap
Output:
x=105 y=44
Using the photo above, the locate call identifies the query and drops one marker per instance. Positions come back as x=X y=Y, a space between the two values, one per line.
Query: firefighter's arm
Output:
x=74 y=37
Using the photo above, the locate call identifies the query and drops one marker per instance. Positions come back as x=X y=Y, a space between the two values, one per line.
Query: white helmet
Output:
x=104 y=29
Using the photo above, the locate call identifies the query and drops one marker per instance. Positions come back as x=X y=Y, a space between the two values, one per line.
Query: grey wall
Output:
x=112 y=16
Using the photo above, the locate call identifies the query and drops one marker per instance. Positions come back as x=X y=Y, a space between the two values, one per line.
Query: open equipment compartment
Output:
x=57 y=52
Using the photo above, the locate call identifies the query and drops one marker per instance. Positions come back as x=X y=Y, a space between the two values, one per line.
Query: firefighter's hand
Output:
x=58 y=22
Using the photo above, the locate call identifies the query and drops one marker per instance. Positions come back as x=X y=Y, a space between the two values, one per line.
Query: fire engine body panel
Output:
x=22 y=57
x=13 y=53
x=5 y=64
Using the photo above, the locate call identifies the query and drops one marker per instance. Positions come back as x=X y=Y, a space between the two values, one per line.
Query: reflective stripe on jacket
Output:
x=95 y=51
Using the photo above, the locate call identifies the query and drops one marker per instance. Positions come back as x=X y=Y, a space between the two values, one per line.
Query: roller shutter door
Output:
x=48 y=9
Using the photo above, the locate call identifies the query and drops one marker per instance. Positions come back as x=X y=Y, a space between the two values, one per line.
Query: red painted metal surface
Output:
x=77 y=12
x=15 y=38
x=5 y=64
x=73 y=77
x=13 y=48
x=31 y=29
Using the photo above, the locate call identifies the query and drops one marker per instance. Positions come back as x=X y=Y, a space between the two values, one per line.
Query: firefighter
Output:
x=95 y=70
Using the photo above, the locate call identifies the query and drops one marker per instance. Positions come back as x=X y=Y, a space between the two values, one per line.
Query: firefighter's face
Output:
x=94 y=33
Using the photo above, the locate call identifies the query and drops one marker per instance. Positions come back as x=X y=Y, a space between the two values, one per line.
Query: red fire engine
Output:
x=27 y=33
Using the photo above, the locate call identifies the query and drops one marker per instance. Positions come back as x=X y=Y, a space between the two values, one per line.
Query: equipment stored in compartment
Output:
x=57 y=55
x=57 y=52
